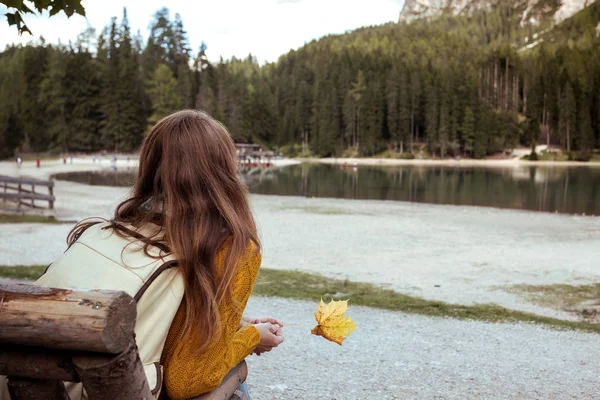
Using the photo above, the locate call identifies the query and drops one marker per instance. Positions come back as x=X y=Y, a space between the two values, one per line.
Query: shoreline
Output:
x=477 y=263
x=389 y=162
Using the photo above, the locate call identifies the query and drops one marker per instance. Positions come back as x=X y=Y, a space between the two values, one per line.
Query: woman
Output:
x=188 y=170
x=189 y=203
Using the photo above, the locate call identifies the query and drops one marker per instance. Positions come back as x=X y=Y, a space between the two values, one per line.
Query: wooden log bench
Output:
x=49 y=336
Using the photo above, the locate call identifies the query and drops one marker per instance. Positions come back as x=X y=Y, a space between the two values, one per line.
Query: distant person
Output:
x=37 y=163
x=189 y=217
x=64 y=160
x=19 y=161
x=71 y=159
x=94 y=159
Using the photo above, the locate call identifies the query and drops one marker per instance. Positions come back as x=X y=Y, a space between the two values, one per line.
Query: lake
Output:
x=573 y=190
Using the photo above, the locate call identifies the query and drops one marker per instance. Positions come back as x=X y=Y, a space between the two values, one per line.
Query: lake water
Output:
x=573 y=190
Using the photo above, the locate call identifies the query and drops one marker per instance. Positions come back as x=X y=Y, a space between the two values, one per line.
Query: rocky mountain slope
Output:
x=531 y=10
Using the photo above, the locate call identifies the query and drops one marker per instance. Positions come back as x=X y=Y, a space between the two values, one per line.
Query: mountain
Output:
x=530 y=10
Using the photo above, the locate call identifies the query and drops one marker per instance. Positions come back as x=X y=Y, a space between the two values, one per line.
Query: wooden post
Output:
x=33 y=389
x=119 y=377
x=51 y=193
x=19 y=196
x=32 y=191
x=85 y=320
x=36 y=362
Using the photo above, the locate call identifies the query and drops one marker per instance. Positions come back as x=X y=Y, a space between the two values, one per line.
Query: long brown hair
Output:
x=188 y=187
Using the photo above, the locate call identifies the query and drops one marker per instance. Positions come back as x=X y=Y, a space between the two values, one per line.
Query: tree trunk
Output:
x=545 y=121
x=569 y=136
x=357 y=129
x=506 y=86
x=547 y=130
x=495 y=94
x=525 y=97
x=412 y=129
x=516 y=93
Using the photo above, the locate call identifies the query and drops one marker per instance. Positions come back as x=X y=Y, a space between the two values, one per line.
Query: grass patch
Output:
x=26 y=219
x=22 y=272
x=571 y=298
x=304 y=286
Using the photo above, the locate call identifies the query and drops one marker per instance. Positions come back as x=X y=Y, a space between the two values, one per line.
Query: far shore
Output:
x=511 y=162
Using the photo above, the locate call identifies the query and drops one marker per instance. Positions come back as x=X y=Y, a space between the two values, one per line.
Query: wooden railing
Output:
x=17 y=190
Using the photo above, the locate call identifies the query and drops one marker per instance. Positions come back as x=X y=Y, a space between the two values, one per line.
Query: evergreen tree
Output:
x=162 y=90
x=468 y=131
x=131 y=118
x=356 y=104
x=567 y=115
x=31 y=111
x=53 y=95
x=461 y=84
x=182 y=59
x=111 y=70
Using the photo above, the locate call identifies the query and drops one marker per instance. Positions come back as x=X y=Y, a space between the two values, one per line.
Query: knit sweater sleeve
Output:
x=189 y=373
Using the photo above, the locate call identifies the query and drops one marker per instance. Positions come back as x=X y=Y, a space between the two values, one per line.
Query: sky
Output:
x=265 y=28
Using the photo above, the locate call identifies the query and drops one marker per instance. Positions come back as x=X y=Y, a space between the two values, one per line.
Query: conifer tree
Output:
x=131 y=117
x=53 y=95
x=162 y=90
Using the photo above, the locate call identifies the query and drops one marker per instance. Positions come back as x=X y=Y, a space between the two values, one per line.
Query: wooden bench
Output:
x=48 y=336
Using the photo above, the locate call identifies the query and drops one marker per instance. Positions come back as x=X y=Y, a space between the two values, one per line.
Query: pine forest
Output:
x=451 y=86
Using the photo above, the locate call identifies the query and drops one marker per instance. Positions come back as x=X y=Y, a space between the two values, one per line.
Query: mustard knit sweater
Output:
x=188 y=374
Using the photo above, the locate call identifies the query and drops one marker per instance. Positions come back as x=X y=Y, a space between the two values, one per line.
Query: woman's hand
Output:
x=260 y=320
x=271 y=336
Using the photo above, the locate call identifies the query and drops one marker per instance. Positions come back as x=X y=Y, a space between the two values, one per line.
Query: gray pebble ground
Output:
x=470 y=252
x=399 y=356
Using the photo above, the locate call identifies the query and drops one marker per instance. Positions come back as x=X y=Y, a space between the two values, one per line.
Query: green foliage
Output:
x=162 y=90
x=18 y=8
x=469 y=85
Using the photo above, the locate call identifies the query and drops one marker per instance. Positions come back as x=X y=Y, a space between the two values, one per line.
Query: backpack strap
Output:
x=155 y=274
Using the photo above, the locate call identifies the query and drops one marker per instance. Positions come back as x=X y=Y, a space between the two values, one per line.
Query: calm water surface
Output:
x=574 y=190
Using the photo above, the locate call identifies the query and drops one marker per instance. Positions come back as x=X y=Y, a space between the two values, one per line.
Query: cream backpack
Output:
x=103 y=259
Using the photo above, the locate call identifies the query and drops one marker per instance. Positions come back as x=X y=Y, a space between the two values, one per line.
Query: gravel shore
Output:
x=398 y=356
x=455 y=254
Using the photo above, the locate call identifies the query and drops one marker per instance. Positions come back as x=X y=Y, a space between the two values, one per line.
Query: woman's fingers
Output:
x=259 y=320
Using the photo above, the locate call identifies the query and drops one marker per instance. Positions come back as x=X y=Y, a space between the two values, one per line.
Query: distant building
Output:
x=253 y=155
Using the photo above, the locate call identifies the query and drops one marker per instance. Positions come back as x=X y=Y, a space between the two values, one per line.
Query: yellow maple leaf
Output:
x=333 y=325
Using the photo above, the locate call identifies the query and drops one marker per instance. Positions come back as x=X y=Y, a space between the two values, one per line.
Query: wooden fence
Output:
x=16 y=190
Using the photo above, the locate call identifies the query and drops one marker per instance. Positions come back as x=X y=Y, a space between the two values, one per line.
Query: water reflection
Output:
x=565 y=190
x=573 y=190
